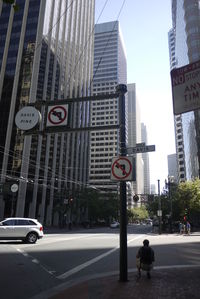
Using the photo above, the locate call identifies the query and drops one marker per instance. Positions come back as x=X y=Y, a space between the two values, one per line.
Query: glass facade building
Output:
x=46 y=53
x=185 y=36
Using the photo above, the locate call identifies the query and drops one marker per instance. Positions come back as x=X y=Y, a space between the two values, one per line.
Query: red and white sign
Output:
x=57 y=115
x=122 y=169
x=186 y=88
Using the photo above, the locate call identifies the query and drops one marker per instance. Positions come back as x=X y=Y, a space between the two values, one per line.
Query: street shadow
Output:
x=11 y=242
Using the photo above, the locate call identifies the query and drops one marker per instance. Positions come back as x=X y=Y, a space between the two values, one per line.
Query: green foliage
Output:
x=184 y=199
x=100 y=208
x=188 y=197
x=137 y=213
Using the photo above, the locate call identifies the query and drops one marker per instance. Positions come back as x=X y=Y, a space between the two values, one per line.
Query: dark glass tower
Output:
x=45 y=54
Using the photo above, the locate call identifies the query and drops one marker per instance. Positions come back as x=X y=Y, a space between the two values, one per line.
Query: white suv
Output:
x=25 y=229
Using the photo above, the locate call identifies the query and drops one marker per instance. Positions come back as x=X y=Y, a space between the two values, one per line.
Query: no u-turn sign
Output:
x=123 y=169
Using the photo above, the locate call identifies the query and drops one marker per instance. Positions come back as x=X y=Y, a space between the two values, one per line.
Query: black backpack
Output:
x=146 y=255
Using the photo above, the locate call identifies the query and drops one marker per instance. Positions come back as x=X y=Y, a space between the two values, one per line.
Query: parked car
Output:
x=25 y=229
x=114 y=224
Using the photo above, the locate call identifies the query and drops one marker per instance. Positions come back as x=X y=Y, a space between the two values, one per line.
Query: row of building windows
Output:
x=110 y=109
x=105 y=171
x=97 y=80
x=104 y=103
x=107 y=133
x=100 y=155
x=103 y=123
x=104 y=112
x=101 y=165
x=103 y=144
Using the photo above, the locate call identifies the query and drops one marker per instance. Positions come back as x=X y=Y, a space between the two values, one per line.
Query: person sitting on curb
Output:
x=146 y=258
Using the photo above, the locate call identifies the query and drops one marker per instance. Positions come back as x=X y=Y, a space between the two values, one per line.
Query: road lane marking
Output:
x=35 y=261
x=92 y=261
x=48 y=240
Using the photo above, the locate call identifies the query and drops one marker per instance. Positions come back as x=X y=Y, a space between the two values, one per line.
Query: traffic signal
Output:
x=135 y=198
x=185 y=214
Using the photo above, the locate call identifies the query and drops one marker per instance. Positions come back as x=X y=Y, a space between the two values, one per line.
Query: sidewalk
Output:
x=180 y=282
x=167 y=282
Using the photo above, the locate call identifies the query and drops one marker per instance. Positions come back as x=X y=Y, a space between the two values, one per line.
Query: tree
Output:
x=137 y=213
x=184 y=199
x=188 y=201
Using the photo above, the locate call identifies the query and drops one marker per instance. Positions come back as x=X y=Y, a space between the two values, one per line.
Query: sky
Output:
x=145 y=25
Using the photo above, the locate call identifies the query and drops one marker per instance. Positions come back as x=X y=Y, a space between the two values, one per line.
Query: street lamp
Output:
x=159 y=208
x=169 y=183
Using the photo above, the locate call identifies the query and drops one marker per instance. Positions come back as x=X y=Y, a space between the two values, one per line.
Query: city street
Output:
x=76 y=255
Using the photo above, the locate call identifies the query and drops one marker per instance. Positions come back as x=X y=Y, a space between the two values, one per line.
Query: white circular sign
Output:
x=14 y=188
x=27 y=118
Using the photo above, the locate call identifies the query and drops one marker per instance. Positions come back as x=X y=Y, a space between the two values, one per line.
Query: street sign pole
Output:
x=122 y=89
x=159 y=208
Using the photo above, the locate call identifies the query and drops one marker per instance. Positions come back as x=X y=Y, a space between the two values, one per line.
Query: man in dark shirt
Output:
x=146 y=256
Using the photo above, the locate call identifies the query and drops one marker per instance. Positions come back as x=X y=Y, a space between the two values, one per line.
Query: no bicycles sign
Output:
x=123 y=169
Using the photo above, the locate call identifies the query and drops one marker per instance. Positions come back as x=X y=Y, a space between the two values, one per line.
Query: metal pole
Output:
x=122 y=89
x=159 y=207
x=170 y=200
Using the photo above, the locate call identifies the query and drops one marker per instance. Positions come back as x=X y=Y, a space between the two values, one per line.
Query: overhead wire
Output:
x=108 y=40
x=57 y=21
x=81 y=54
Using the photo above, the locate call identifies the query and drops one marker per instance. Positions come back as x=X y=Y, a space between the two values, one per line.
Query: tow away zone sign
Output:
x=186 y=88
x=122 y=169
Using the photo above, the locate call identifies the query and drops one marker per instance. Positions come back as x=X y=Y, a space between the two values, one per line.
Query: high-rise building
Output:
x=145 y=157
x=109 y=71
x=46 y=53
x=134 y=137
x=184 y=46
x=153 y=189
x=172 y=167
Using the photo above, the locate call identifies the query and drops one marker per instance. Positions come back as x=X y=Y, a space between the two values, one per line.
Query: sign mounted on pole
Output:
x=14 y=188
x=141 y=149
x=122 y=169
x=186 y=88
x=27 y=118
x=57 y=115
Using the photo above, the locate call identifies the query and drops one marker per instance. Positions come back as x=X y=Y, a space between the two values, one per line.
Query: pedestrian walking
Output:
x=183 y=228
x=180 y=228
x=188 y=227
x=145 y=258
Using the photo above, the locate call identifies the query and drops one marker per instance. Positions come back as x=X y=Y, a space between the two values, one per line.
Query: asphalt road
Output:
x=28 y=270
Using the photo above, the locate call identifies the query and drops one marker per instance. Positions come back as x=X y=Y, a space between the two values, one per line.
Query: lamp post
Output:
x=170 y=181
x=122 y=89
x=159 y=208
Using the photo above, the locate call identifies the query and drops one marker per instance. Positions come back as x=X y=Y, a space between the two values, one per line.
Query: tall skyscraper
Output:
x=46 y=53
x=134 y=136
x=184 y=46
x=172 y=167
x=145 y=157
x=109 y=71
